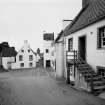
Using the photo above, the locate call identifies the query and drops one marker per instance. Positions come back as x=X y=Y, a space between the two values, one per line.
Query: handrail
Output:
x=78 y=57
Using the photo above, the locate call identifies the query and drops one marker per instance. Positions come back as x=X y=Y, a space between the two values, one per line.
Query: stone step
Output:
x=86 y=70
x=97 y=78
x=88 y=75
x=83 y=65
x=99 y=87
x=99 y=83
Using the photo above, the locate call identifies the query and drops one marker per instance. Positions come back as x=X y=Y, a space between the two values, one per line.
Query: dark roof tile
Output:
x=92 y=13
x=8 y=52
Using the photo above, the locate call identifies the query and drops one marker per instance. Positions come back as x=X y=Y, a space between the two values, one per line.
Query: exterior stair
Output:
x=95 y=81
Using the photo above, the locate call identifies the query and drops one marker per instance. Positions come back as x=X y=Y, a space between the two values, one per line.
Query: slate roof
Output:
x=92 y=13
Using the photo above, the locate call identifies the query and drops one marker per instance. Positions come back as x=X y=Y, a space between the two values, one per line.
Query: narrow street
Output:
x=36 y=87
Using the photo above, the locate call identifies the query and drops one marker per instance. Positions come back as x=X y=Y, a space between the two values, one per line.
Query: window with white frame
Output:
x=101 y=37
x=21 y=64
x=30 y=57
x=101 y=71
x=47 y=51
x=20 y=58
x=22 y=50
x=70 y=44
x=28 y=50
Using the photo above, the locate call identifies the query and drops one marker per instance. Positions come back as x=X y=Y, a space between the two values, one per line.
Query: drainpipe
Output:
x=65 y=55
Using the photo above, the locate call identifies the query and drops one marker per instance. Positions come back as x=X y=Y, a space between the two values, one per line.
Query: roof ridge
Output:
x=92 y=13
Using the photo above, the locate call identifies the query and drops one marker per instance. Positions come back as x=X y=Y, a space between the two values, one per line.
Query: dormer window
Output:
x=101 y=37
x=28 y=50
x=47 y=51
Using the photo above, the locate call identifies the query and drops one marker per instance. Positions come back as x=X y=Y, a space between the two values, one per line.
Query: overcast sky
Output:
x=27 y=19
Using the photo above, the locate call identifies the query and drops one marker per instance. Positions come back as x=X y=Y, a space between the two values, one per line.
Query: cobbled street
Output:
x=36 y=87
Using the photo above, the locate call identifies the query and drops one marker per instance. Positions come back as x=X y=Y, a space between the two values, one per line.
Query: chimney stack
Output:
x=25 y=41
x=85 y=3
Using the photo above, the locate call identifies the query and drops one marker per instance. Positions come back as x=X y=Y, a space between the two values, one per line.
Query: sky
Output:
x=27 y=19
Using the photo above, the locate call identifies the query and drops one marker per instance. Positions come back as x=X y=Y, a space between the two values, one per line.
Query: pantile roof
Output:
x=8 y=52
x=91 y=13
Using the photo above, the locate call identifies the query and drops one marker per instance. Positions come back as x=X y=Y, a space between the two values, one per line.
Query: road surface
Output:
x=36 y=87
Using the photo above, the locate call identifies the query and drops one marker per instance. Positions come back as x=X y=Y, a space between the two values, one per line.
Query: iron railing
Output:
x=75 y=59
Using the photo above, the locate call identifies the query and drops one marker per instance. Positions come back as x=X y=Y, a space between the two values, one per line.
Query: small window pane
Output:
x=22 y=64
x=104 y=43
x=70 y=44
x=101 y=37
x=47 y=51
x=30 y=57
x=101 y=71
x=20 y=58
x=28 y=50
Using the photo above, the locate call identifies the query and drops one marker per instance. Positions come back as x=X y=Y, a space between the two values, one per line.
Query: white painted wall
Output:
x=59 y=58
x=53 y=56
x=6 y=61
x=47 y=56
x=26 y=61
x=95 y=57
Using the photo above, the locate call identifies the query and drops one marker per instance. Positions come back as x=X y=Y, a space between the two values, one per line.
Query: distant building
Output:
x=48 y=40
x=38 y=55
x=7 y=55
x=25 y=58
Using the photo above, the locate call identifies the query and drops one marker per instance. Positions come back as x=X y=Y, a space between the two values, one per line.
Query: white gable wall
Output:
x=94 y=56
x=26 y=61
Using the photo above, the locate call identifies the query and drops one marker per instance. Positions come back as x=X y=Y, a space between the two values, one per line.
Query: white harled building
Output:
x=25 y=58
x=83 y=46
x=48 y=41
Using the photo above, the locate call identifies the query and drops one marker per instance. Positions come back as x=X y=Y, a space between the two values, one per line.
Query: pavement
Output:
x=52 y=74
x=37 y=87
